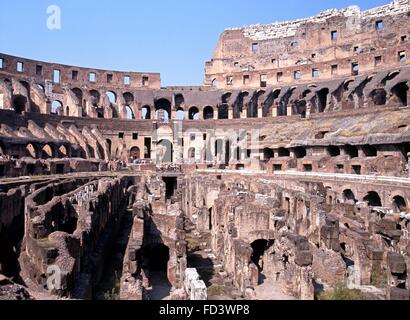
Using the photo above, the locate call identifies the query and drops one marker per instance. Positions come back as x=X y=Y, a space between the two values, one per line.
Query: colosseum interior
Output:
x=284 y=177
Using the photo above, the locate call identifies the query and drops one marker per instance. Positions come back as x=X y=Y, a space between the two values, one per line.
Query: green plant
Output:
x=193 y=245
x=379 y=279
x=340 y=292
x=216 y=290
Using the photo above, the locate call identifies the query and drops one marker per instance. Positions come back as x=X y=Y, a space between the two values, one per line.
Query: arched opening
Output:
x=400 y=91
x=379 y=97
x=300 y=152
x=95 y=97
x=135 y=153
x=56 y=106
x=399 y=204
x=269 y=102
x=164 y=151
x=128 y=98
x=100 y=113
x=213 y=83
x=46 y=152
x=268 y=154
x=193 y=113
x=31 y=151
x=349 y=197
x=208 y=113
x=239 y=105
x=333 y=151
x=322 y=99
x=146 y=112
x=283 y=152
x=352 y=151
x=180 y=115
x=19 y=104
x=223 y=111
x=156 y=258
x=130 y=113
x=163 y=109
x=219 y=148
x=373 y=199
x=259 y=248
x=179 y=101
x=111 y=96
x=78 y=94
x=369 y=151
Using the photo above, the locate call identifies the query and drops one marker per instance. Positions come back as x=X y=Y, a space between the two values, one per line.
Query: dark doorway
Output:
x=60 y=168
x=170 y=186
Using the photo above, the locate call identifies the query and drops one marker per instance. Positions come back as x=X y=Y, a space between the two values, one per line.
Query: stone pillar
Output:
x=274 y=112
x=230 y=113
x=289 y=110
x=260 y=112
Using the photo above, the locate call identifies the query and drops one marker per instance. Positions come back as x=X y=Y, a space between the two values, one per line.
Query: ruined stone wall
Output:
x=320 y=47
x=69 y=226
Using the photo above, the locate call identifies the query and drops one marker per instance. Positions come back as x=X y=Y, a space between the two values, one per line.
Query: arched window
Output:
x=111 y=96
x=163 y=109
x=135 y=153
x=55 y=106
x=208 y=113
x=399 y=204
x=19 y=104
x=193 y=113
x=349 y=197
x=373 y=199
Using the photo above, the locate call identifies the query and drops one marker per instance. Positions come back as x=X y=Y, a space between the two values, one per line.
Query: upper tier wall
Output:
x=335 y=43
x=43 y=72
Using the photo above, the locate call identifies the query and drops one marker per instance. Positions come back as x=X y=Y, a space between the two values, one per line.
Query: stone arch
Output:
x=192 y=153
x=164 y=151
x=135 y=153
x=322 y=97
x=19 y=104
x=112 y=96
x=239 y=104
x=268 y=154
x=379 y=97
x=348 y=196
x=95 y=97
x=223 y=111
x=351 y=151
x=163 y=109
x=399 y=204
x=269 y=102
x=400 y=91
x=56 y=105
x=333 y=151
x=179 y=101
x=79 y=95
x=193 y=113
x=128 y=98
x=373 y=199
x=208 y=113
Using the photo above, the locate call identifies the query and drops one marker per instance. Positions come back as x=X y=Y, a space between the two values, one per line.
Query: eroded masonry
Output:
x=285 y=176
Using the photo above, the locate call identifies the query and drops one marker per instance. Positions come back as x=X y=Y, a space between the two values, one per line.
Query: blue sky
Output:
x=173 y=37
